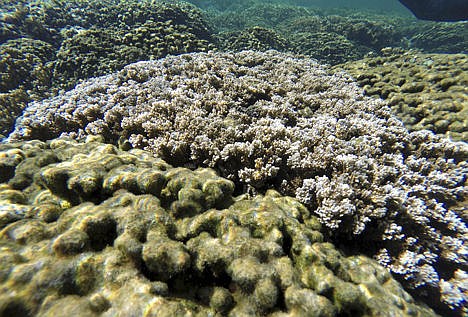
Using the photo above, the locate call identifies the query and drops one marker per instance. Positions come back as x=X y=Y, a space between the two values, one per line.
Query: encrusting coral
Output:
x=272 y=120
x=94 y=230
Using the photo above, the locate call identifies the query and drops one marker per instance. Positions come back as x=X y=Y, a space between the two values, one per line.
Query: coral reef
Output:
x=221 y=5
x=125 y=14
x=93 y=230
x=364 y=31
x=254 y=38
x=18 y=20
x=267 y=15
x=98 y=43
x=57 y=43
x=11 y=105
x=8 y=32
x=330 y=48
x=95 y=52
x=25 y=72
x=330 y=39
x=326 y=47
x=426 y=91
x=272 y=120
x=24 y=64
x=442 y=38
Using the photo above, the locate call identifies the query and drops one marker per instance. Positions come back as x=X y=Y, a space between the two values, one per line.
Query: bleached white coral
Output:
x=455 y=291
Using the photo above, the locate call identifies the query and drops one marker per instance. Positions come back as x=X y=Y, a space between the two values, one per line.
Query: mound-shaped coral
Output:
x=442 y=38
x=92 y=38
x=25 y=72
x=427 y=91
x=8 y=32
x=368 y=31
x=98 y=231
x=57 y=43
x=254 y=38
x=330 y=48
x=17 y=20
x=331 y=39
x=24 y=64
x=263 y=14
x=273 y=120
x=95 y=52
x=62 y=14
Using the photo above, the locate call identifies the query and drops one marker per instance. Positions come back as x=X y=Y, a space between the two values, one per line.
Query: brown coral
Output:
x=427 y=91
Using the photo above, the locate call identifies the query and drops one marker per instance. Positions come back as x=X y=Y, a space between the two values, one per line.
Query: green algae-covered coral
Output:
x=132 y=235
x=106 y=43
x=326 y=47
x=18 y=20
x=331 y=39
x=254 y=38
x=25 y=72
x=61 y=42
x=61 y=14
x=24 y=64
x=263 y=14
x=372 y=32
x=442 y=38
x=427 y=91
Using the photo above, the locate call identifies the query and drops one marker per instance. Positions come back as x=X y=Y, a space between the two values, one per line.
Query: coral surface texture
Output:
x=94 y=230
x=427 y=91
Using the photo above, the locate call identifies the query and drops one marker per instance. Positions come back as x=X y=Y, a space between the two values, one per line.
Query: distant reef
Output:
x=353 y=113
